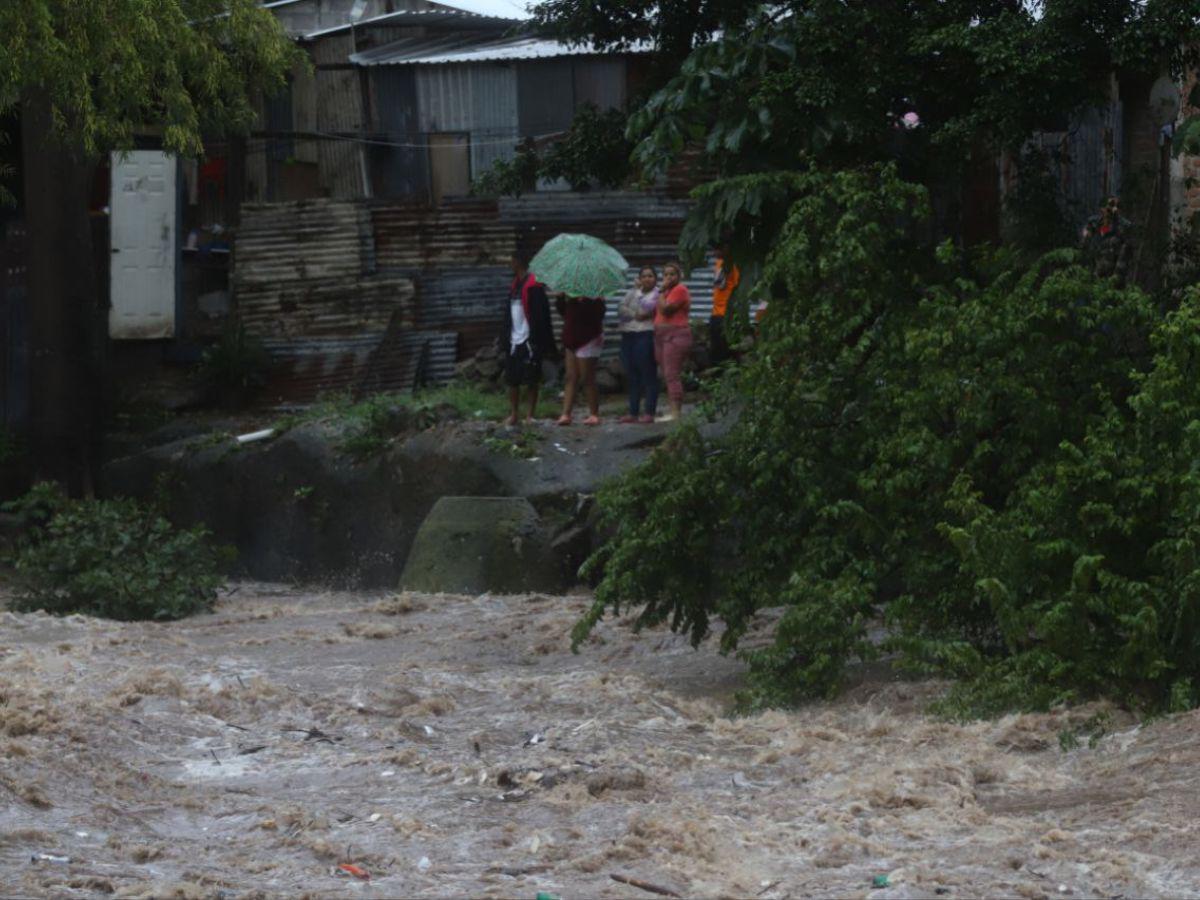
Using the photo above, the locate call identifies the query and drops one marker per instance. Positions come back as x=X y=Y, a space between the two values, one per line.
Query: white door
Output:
x=142 y=235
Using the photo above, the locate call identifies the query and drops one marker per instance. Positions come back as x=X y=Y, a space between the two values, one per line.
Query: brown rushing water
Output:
x=454 y=746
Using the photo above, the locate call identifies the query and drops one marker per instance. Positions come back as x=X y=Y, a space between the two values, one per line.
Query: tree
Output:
x=929 y=83
x=672 y=27
x=89 y=76
x=987 y=453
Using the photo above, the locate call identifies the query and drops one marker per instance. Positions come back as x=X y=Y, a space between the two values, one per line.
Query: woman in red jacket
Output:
x=583 y=340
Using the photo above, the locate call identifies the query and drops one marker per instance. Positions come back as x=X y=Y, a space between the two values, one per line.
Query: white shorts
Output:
x=592 y=349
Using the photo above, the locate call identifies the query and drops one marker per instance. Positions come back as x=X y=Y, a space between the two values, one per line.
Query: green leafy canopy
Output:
x=111 y=69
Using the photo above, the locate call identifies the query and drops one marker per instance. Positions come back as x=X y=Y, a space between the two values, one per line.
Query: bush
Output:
x=111 y=558
x=594 y=150
x=509 y=177
x=235 y=367
x=993 y=461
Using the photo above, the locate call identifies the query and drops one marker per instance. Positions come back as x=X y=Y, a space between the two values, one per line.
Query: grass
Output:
x=371 y=425
x=471 y=403
x=521 y=445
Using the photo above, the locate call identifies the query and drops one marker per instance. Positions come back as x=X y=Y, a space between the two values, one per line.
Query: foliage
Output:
x=12 y=447
x=236 y=365
x=509 y=177
x=109 y=69
x=1034 y=209
x=522 y=445
x=110 y=558
x=594 y=150
x=672 y=26
x=370 y=425
x=830 y=84
x=993 y=461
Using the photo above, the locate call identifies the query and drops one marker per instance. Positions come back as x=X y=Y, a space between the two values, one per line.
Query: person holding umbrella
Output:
x=583 y=342
x=582 y=270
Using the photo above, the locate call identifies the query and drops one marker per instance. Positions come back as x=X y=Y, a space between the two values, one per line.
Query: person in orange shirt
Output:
x=724 y=283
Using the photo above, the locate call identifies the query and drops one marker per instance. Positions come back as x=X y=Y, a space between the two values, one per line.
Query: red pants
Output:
x=671 y=348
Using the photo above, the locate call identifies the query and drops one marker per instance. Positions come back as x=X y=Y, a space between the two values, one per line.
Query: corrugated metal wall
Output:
x=304 y=114
x=600 y=81
x=480 y=100
x=1088 y=156
x=545 y=96
x=411 y=237
x=339 y=110
x=353 y=295
x=398 y=171
x=305 y=270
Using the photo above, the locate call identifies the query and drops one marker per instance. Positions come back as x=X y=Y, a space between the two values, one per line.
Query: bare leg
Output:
x=571 y=384
x=533 y=401
x=589 y=383
x=514 y=400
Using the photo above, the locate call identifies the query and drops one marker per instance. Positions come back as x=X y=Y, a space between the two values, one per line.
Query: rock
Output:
x=486 y=366
x=609 y=377
x=474 y=545
x=297 y=507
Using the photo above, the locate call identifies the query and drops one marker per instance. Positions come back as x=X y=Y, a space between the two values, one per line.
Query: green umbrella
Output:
x=579 y=265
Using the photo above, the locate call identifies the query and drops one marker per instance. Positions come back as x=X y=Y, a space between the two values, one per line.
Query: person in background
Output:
x=583 y=341
x=636 y=314
x=725 y=280
x=529 y=336
x=673 y=336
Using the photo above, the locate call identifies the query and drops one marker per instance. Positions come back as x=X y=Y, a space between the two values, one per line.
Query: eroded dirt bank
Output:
x=453 y=746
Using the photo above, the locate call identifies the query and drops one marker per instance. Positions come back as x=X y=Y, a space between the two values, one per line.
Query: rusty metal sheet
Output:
x=352 y=293
x=307 y=269
x=413 y=237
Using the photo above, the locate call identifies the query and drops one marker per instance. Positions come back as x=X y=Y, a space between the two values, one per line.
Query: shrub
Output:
x=235 y=366
x=111 y=558
x=594 y=150
x=992 y=461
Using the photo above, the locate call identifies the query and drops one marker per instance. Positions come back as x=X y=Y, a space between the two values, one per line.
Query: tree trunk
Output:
x=64 y=317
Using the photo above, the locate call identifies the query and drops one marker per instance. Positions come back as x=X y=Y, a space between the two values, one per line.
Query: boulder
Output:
x=474 y=545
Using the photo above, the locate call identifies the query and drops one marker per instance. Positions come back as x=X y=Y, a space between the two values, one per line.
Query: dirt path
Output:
x=453 y=746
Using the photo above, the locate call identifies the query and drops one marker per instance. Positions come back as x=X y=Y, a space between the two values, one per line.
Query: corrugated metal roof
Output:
x=417 y=18
x=509 y=9
x=456 y=49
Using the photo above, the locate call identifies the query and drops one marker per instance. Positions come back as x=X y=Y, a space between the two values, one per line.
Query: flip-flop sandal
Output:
x=564 y=420
x=591 y=420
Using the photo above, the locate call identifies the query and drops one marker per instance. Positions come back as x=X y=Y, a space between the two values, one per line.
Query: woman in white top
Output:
x=636 y=314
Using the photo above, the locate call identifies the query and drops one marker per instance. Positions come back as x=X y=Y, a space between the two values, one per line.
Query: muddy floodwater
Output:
x=450 y=746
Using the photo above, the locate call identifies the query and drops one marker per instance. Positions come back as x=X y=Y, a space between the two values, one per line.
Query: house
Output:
x=341 y=232
x=417 y=103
